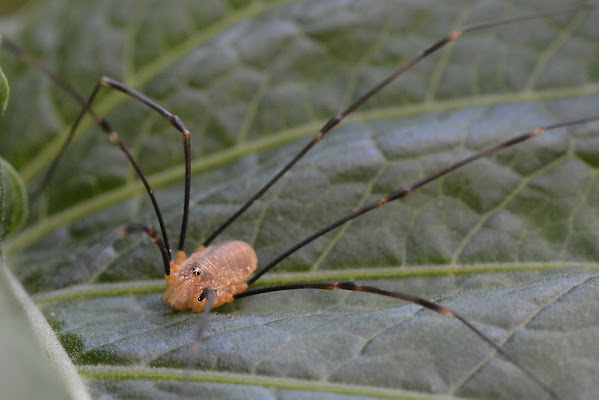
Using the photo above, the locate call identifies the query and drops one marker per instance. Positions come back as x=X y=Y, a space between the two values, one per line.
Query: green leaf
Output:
x=13 y=200
x=4 y=89
x=509 y=242
x=26 y=341
x=13 y=195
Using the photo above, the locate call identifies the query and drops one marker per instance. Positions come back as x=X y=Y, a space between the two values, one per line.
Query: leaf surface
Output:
x=508 y=242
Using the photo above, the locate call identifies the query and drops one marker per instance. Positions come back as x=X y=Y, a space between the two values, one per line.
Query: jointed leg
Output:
x=197 y=340
x=173 y=119
x=178 y=124
x=406 y=190
x=151 y=232
x=357 y=287
x=335 y=120
x=100 y=121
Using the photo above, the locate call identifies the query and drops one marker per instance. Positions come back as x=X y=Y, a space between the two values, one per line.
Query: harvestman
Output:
x=216 y=274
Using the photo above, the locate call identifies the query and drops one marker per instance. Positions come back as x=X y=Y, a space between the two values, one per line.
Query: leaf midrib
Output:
x=139 y=287
x=127 y=373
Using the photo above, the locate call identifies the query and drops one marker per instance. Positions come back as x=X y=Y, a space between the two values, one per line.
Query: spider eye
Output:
x=197 y=271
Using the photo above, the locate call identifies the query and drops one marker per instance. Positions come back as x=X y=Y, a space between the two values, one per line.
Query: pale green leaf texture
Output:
x=4 y=89
x=509 y=243
x=23 y=359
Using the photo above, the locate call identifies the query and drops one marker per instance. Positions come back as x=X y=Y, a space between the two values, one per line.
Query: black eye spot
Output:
x=197 y=271
x=204 y=294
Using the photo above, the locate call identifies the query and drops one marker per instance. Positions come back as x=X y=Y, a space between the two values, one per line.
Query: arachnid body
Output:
x=204 y=270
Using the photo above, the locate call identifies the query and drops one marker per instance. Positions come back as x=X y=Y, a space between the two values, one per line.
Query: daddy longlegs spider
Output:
x=206 y=293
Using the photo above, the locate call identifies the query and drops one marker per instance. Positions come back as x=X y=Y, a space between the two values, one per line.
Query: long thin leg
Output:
x=178 y=124
x=172 y=118
x=100 y=121
x=355 y=286
x=196 y=344
x=333 y=121
x=151 y=232
x=406 y=190
x=52 y=168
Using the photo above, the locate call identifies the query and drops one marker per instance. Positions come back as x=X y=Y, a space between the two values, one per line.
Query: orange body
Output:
x=222 y=267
